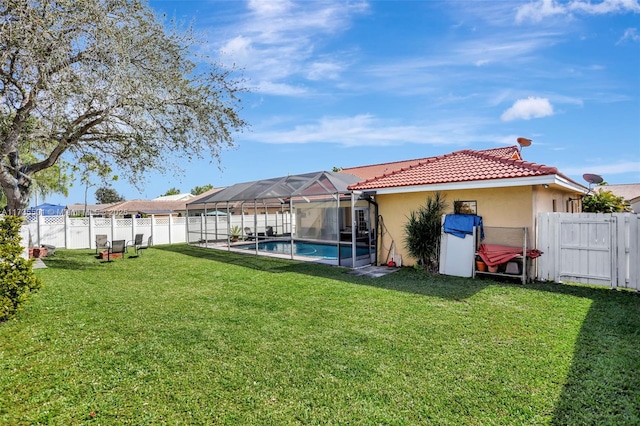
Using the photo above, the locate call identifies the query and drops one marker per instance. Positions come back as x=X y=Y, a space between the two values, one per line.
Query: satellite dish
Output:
x=524 y=142
x=592 y=179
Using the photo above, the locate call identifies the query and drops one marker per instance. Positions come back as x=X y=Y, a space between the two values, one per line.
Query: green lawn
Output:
x=183 y=335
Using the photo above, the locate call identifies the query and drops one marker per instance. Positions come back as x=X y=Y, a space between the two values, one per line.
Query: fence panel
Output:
x=80 y=233
x=590 y=248
x=178 y=230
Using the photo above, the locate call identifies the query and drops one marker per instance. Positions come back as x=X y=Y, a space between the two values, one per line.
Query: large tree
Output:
x=104 y=80
x=106 y=195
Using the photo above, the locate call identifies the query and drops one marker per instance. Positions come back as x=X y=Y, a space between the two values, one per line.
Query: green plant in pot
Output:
x=236 y=232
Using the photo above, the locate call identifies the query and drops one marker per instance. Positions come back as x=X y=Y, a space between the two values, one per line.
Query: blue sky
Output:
x=351 y=83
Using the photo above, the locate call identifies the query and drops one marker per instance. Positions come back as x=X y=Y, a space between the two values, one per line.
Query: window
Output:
x=465 y=207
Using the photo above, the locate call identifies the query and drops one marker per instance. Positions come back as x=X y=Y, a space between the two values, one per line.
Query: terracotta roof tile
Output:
x=459 y=166
x=378 y=170
x=134 y=206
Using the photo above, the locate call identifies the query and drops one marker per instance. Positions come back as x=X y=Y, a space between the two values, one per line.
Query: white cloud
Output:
x=630 y=34
x=526 y=109
x=537 y=11
x=481 y=62
x=280 y=89
x=277 y=40
x=239 y=47
x=604 y=169
x=269 y=8
x=605 y=7
x=369 y=130
x=541 y=9
x=324 y=70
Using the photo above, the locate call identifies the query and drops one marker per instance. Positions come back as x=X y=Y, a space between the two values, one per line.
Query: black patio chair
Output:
x=270 y=232
x=248 y=234
x=141 y=247
x=102 y=242
x=135 y=243
x=117 y=247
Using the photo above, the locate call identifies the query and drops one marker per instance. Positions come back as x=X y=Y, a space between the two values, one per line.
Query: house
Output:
x=142 y=208
x=630 y=192
x=497 y=184
x=176 y=197
x=81 y=209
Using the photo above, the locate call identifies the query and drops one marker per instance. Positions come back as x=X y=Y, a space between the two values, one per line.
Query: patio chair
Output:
x=135 y=243
x=102 y=242
x=270 y=232
x=117 y=247
x=141 y=247
x=248 y=233
x=267 y=234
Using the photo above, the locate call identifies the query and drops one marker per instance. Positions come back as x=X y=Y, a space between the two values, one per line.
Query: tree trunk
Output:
x=17 y=195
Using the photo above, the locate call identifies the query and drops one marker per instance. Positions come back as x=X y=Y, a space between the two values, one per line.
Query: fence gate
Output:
x=589 y=248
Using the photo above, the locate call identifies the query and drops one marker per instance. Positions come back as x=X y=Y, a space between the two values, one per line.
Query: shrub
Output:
x=17 y=279
x=601 y=201
x=422 y=232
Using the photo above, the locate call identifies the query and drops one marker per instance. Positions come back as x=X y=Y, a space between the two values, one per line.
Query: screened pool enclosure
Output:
x=309 y=216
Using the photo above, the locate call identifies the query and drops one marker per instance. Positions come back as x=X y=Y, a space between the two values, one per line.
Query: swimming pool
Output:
x=304 y=248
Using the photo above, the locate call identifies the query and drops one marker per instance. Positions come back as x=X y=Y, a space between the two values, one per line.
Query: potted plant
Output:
x=236 y=232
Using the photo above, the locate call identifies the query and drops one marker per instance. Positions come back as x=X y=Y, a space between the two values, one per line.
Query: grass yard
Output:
x=184 y=335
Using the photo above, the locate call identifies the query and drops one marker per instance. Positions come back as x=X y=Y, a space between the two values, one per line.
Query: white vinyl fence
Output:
x=80 y=233
x=590 y=248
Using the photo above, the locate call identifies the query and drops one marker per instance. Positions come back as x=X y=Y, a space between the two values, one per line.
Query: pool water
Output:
x=303 y=248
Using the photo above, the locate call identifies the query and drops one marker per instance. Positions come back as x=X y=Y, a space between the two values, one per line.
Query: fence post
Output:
x=92 y=231
x=634 y=252
x=113 y=227
x=38 y=224
x=170 y=227
x=201 y=225
x=133 y=226
x=153 y=225
x=67 y=231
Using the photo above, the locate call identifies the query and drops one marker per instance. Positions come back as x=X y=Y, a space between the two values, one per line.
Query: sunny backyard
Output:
x=183 y=335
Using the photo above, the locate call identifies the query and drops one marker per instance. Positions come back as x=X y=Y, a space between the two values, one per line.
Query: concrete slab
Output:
x=373 y=271
x=38 y=263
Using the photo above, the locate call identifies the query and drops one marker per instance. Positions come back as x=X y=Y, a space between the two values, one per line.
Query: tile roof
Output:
x=628 y=191
x=81 y=207
x=185 y=196
x=377 y=170
x=146 y=206
x=459 y=166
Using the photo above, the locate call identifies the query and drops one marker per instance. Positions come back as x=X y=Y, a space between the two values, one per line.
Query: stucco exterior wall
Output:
x=508 y=207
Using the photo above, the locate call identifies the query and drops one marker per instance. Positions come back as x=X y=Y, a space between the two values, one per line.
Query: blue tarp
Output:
x=461 y=225
x=48 y=209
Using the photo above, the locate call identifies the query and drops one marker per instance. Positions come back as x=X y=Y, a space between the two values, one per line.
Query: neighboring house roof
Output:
x=81 y=207
x=630 y=191
x=461 y=166
x=206 y=194
x=145 y=206
x=176 y=197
